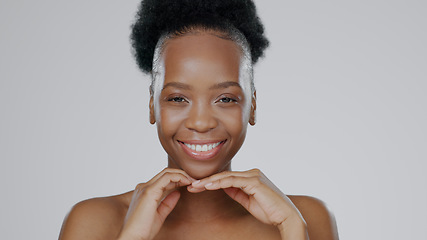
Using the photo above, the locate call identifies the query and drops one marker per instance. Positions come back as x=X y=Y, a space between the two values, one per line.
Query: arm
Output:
x=98 y=218
x=109 y=218
x=297 y=217
x=293 y=229
x=321 y=224
x=255 y=192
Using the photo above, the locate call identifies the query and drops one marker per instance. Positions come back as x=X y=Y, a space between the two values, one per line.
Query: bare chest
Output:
x=240 y=229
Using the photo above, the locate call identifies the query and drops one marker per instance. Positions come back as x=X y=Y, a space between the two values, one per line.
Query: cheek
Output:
x=168 y=124
x=169 y=120
x=233 y=121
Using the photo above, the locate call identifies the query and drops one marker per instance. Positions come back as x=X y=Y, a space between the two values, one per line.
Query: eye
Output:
x=227 y=100
x=176 y=99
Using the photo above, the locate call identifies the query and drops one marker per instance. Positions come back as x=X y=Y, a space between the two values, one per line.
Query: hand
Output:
x=151 y=204
x=255 y=192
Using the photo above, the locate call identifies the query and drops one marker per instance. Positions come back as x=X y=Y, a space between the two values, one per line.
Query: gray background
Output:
x=341 y=111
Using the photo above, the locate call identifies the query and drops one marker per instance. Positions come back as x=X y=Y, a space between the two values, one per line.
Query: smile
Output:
x=202 y=150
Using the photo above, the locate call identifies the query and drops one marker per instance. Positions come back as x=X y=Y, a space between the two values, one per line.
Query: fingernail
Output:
x=195 y=182
x=207 y=185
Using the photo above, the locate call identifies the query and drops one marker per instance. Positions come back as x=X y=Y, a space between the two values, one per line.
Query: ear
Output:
x=252 y=117
x=152 y=116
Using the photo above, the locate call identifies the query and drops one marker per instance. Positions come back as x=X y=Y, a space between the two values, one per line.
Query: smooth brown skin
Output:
x=201 y=100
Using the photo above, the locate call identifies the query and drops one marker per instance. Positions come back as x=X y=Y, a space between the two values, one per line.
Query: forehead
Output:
x=201 y=56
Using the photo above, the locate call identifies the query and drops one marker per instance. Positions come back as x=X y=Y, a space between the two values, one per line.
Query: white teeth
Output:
x=202 y=148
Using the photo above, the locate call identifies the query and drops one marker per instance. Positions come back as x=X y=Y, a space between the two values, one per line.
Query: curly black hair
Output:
x=158 y=17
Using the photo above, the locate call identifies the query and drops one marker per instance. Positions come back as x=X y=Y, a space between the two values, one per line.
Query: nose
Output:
x=201 y=118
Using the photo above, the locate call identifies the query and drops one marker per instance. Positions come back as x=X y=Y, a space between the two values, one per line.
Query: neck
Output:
x=205 y=206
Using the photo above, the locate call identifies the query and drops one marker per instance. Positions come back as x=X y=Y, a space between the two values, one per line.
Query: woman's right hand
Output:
x=151 y=204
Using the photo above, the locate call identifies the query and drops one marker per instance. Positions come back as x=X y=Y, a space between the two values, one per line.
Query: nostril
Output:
x=201 y=124
x=201 y=118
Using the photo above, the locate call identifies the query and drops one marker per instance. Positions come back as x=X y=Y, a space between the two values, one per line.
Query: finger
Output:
x=253 y=187
x=170 y=170
x=192 y=189
x=166 y=184
x=201 y=183
x=247 y=184
x=238 y=195
x=168 y=204
x=171 y=181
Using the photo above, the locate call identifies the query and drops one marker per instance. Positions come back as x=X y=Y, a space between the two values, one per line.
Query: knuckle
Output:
x=256 y=172
x=168 y=169
x=226 y=181
x=255 y=181
x=177 y=184
x=173 y=177
x=139 y=186
x=149 y=191
x=173 y=171
x=167 y=175
x=218 y=182
x=232 y=178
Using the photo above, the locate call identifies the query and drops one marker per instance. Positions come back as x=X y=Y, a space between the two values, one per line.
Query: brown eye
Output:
x=227 y=100
x=176 y=99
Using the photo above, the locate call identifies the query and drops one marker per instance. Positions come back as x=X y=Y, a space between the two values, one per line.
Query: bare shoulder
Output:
x=321 y=224
x=96 y=218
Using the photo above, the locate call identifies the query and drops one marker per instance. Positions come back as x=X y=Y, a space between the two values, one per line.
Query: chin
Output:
x=200 y=172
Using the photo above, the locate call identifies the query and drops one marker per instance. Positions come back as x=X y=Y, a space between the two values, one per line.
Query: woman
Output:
x=200 y=55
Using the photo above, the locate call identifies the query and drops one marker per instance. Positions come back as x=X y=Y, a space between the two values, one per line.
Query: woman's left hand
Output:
x=255 y=192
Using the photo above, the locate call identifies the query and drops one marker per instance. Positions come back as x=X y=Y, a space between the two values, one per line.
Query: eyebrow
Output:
x=225 y=85
x=177 y=85
x=216 y=86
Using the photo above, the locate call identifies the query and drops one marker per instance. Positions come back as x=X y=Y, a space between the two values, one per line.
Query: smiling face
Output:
x=201 y=119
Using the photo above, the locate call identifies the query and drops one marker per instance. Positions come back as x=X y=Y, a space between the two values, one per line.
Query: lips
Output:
x=202 y=150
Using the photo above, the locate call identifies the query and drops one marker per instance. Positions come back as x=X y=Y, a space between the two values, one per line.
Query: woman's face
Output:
x=201 y=105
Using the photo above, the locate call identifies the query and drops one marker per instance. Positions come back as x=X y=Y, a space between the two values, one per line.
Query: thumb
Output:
x=168 y=204
x=238 y=195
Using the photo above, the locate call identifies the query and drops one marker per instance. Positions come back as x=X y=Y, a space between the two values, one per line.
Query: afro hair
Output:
x=158 y=17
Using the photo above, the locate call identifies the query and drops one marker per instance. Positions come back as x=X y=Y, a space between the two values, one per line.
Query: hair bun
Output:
x=157 y=17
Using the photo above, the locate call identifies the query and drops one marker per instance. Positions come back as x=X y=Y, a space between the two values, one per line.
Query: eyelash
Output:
x=229 y=100
x=176 y=99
